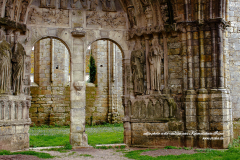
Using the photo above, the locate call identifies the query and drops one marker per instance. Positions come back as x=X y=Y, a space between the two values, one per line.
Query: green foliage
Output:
x=170 y=147
x=235 y=143
x=33 y=153
x=92 y=68
x=68 y=146
x=86 y=155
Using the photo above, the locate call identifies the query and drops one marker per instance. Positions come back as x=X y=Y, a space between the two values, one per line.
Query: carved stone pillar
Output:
x=126 y=101
x=202 y=98
x=220 y=55
x=78 y=137
x=214 y=56
x=147 y=63
x=165 y=65
x=190 y=96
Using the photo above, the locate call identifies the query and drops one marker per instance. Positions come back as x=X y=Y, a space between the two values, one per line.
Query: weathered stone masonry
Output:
x=180 y=65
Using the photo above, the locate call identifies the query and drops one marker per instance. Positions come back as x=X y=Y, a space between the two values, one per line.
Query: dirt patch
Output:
x=164 y=152
x=19 y=157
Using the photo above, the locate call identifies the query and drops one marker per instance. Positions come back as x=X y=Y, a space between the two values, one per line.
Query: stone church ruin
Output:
x=179 y=59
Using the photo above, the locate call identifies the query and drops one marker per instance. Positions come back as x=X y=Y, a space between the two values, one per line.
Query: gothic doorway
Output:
x=50 y=83
x=104 y=89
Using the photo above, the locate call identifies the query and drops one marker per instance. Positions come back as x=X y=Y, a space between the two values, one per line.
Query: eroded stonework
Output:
x=187 y=45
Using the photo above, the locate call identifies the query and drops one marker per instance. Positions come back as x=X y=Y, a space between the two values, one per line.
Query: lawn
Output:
x=59 y=136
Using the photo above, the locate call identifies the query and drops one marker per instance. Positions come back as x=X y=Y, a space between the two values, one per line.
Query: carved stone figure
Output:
x=18 y=68
x=155 y=58
x=104 y=6
x=149 y=16
x=62 y=17
x=63 y=4
x=43 y=3
x=137 y=64
x=131 y=17
x=1 y=4
x=8 y=8
x=112 y=6
x=5 y=67
x=93 y=5
x=15 y=13
x=25 y=4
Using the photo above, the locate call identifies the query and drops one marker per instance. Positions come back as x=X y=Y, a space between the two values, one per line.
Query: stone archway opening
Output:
x=104 y=94
x=50 y=83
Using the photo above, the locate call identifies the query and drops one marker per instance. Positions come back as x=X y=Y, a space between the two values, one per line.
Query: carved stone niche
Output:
x=79 y=85
x=78 y=32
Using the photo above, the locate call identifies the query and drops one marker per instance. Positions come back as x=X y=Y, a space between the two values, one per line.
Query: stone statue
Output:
x=25 y=4
x=149 y=16
x=155 y=58
x=137 y=63
x=131 y=17
x=18 y=68
x=43 y=3
x=8 y=9
x=63 y=4
x=5 y=67
x=104 y=5
x=15 y=13
x=93 y=5
x=112 y=5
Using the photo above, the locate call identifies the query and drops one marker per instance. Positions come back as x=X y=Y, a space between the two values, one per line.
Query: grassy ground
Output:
x=33 y=153
x=59 y=136
x=231 y=154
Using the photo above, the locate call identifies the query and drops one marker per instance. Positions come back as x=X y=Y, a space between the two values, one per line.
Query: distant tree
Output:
x=93 y=69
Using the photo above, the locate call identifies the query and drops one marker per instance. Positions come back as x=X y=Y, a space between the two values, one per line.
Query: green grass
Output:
x=231 y=154
x=33 y=153
x=45 y=136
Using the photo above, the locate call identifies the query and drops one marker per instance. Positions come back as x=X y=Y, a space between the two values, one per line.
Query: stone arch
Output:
x=122 y=46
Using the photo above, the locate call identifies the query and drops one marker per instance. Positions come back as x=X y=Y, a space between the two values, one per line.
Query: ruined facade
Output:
x=179 y=58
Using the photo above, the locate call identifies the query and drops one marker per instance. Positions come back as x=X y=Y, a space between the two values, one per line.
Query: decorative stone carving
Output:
x=150 y=110
x=25 y=4
x=112 y=7
x=18 y=68
x=93 y=5
x=79 y=85
x=149 y=16
x=107 y=19
x=43 y=3
x=78 y=32
x=137 y=65
x=158 y=111
x=5 y=67
x=131 y=17
x=62 y=16
x=63 y=4
x=16 y=13
x=49 y=16
x=83 y=3
x=155 y=59
x=8 y=8
x=47 y=4
x=1 y=6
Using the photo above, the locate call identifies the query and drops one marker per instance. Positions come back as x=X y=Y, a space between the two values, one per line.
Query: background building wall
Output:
x=232 y=42
x=50 y=90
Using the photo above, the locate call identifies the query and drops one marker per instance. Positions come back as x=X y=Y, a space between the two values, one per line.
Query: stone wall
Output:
x=50 y=91
x=232 y=59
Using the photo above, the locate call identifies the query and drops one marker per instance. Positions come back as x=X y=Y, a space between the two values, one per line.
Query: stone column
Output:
x=220 y=108
x=202 y=98
x=147 y=63
x=126 y=101
x=190 y=96
x=165 y=65
x=78 y=137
